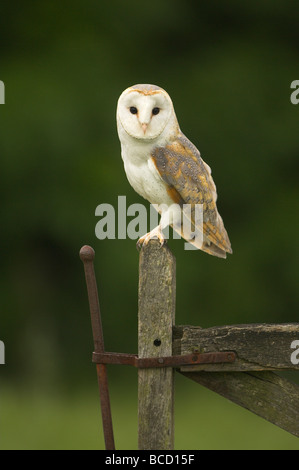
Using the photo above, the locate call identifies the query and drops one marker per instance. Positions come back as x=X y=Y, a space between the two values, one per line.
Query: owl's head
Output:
x=144 y=111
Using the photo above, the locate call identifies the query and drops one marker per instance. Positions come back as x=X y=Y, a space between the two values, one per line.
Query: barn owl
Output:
x=165 y=168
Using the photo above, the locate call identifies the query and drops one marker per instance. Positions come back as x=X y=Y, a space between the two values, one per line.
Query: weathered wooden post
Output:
x=156 y=316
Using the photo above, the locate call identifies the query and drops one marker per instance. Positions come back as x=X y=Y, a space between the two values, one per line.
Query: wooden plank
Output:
x=157 y=287
x=263 y=393
x=258 y=346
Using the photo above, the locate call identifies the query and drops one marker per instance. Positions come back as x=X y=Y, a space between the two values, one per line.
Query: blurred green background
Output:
x=228 y=67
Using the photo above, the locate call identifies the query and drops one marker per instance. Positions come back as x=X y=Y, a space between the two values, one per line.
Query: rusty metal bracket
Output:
x=171 y=361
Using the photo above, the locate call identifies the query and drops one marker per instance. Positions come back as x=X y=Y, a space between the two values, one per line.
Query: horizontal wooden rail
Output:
x=257 y=346
x=247 y=381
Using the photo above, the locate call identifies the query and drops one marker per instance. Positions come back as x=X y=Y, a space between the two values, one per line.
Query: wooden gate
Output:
x=237 y=361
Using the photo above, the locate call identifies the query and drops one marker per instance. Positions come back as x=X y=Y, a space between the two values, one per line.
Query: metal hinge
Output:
x=168 y=361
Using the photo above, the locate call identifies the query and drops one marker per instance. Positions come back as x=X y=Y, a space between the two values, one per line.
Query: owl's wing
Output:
x=189 y=181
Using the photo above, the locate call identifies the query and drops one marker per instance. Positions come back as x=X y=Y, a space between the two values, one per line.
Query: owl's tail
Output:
x=215 y=243
x=214 y=250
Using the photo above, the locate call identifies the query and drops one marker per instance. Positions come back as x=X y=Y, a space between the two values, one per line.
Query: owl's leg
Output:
x=155 y=233
x=168 y=215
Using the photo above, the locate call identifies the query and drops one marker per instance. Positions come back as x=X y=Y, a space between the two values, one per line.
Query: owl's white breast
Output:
x=141 y=171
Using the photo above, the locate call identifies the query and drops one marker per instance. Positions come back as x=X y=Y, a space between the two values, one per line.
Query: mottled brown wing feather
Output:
x=189 y=181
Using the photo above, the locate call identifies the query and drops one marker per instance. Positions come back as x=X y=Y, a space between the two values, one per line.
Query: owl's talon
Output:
x=156 y=233
x=139 y=245
x=163 y=242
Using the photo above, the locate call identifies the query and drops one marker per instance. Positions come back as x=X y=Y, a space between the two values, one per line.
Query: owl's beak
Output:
x=144 y=127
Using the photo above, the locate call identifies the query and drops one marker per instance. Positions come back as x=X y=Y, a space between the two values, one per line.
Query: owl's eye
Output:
x=133 y=110
x=155 y=111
